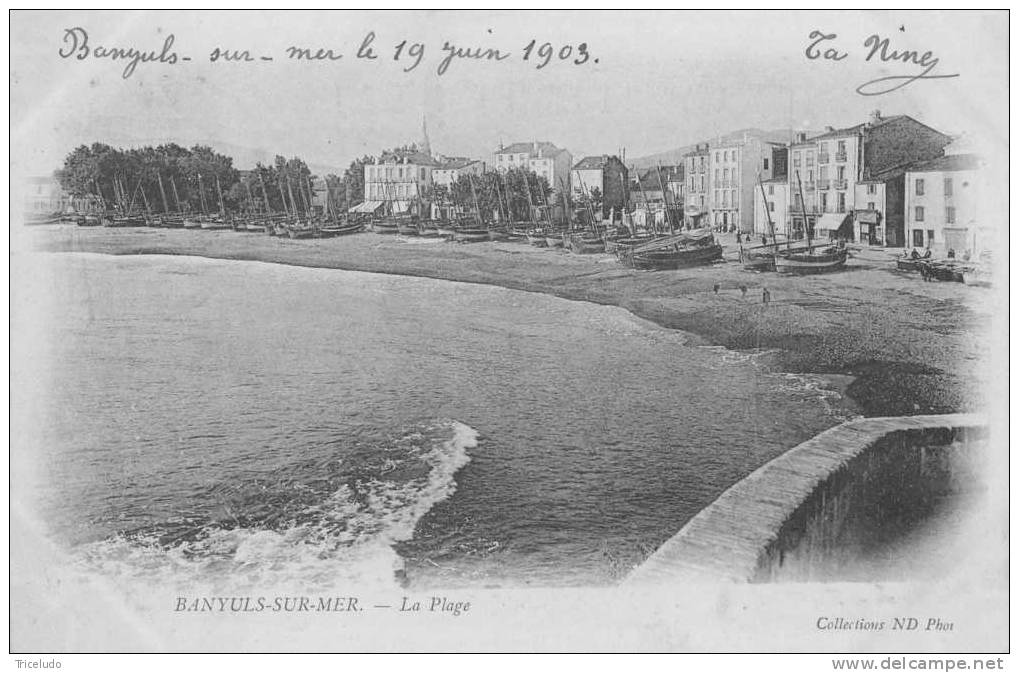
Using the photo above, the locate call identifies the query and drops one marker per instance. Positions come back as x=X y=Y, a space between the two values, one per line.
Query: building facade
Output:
x=941 y=205
x=543 y=158
x=852 y=179
x=735 y=168
x=606 y=173
x=698 y=186
x=397 y=180
x=449 y=169
x=771 y=205
x=43 y=195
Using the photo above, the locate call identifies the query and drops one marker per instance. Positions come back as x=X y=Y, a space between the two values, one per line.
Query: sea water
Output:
x=231 y=425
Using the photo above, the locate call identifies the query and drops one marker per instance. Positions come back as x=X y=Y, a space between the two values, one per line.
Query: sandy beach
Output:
x=892 y=343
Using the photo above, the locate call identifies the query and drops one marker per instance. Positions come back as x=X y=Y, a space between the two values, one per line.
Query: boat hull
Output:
x=537 y=239
x=676 y=259
x=803 y=264
x=471 y=236
x=554 y=241
x=385 y=228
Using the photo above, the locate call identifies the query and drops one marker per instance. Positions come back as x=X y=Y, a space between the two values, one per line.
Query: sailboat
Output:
x=812 y=259
x=762 y=258
x=475 y=234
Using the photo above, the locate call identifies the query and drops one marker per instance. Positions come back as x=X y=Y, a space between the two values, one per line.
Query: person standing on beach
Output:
x=765 y=295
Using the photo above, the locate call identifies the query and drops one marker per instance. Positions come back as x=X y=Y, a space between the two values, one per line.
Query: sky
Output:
x=652 y=81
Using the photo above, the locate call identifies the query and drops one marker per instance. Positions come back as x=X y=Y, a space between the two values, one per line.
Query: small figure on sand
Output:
x=765 y=295
x=739 y=237
x=717 y=288
x=764 y=239
x=743 y=290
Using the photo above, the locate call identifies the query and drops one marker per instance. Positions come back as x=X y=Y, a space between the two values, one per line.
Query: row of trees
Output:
x=129 y=178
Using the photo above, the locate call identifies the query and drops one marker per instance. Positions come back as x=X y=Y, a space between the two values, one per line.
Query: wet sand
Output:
x=892 y=343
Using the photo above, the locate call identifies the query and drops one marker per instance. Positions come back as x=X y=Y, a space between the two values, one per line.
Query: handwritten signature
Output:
x=880 y=51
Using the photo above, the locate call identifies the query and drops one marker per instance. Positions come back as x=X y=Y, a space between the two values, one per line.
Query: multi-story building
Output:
x=941 y=202
x=698 y=185
x=606 y=173
x=771 y=206
x=397 y=180
x=801 y=190
x=43 y=195
x=860 y=183
x=450 y=169
x=735 y=168
x=543 y=158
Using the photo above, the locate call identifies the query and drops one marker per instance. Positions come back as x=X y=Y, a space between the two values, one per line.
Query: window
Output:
x=735 y=203
x=422 y=174
x=716 y=157
x=918 y=215
x=950 y=215
x=824 y=202
x=930 y=237
x=841 y=172
x=918 y=238
x=771 y=190
x=948 y=186
x=870 y=205
x=702 y=164
x=796 y=158
x=771 y=206
x=702 y=183
x=919 y=187
x=717 y=175
x=823 y=172
x=725 y=174
x=841 y=149
x=702 y=200
x=842 y=202
x=765 y=164
x=872 y=189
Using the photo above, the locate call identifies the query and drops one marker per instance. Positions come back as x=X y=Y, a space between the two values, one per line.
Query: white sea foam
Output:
x=343 y=540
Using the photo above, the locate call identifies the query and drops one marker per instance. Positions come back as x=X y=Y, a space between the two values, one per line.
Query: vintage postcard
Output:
x=536 y=331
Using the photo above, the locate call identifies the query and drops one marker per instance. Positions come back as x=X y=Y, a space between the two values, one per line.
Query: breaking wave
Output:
x=300 y=533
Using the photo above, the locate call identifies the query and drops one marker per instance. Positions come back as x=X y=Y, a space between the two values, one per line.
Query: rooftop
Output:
x=952 y=162
x=545 y=148
x=592 y=163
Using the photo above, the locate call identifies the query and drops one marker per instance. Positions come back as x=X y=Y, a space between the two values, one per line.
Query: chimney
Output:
x=829 y=129
x=801 y=137
x=875 y=117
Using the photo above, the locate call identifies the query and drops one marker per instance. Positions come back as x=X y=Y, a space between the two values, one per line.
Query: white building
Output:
x=942 y=200
x=772 y=207
x=450 y=169
x=543 y=158
x=397 y=180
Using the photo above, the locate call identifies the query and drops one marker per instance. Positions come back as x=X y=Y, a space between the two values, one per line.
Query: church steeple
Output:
x=426 y=146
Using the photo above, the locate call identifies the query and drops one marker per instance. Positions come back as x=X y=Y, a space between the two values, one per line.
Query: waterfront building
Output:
x=860 y=176
x=735 y=167
x=941 y=202
x=609 y=175
x=448 y=170
x=43 y=195
x=773 y=204
x=543 y=158
x=397 y=180
x=698 y=185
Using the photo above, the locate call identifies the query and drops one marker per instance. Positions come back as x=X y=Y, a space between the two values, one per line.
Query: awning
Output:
x=400 y=207
x=366 y=207
x=868 y=217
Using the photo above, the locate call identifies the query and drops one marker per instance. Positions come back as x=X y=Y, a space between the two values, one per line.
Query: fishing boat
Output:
x=497 y=234
x=814 y=260
x=759 y=260
x=191 y=222
x=555 y=239
x=214 y=223
x=536 y=237
x=587 y=243
x=470 y=235
x=428 y=229
x=665 y=259
x=408 y=227
x=339 y=229
x=446 y=229
x=90 y=220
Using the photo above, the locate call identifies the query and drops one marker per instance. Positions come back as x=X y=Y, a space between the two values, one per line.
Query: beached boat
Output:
x=215 y=223
x=90 y=221
x=587 y=244
x=428 y=229
x=471 y=235
x=664 y=259
x=759 y=259
x=536 y=237
x=385 y=227
x=340 y=229
x=408 y=228
x=446 y=229
x=555 y=239
x=824 y=260
x=125 y=221
x=497 y=234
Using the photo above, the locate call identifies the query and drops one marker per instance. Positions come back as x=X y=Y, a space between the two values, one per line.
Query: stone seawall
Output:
x=813 y=509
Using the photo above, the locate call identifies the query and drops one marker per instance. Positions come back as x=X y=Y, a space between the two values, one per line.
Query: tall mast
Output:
x=145 y=199
x=622 y=184
x=346 y=194
x=290 y=191
x=647 y=204
x=477 y=206
x=219 y=190
x=201 y=195
x=566 y=205
x=283 y=196
x=803 y=209
x=162 y=193
x=665 y=200
x=176 y=196
x=530 y=203
x=771 y=225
